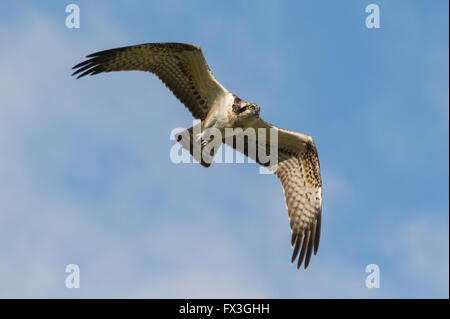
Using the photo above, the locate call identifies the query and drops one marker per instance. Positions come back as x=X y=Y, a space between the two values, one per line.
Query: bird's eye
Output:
x=251 y=107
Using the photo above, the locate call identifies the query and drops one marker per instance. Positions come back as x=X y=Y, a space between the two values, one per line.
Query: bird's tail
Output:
x=193 y=140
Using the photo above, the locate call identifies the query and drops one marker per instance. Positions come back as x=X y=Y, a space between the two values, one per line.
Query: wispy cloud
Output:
x=85 y=178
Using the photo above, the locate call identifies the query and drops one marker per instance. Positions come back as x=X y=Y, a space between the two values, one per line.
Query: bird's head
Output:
x=246 y=110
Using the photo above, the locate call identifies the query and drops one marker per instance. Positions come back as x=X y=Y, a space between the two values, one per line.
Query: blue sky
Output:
x=86 y=178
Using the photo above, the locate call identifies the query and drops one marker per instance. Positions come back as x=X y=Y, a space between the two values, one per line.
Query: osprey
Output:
x=183 y=69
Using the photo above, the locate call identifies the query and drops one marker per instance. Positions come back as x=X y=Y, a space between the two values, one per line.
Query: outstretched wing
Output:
x=298 y=169
x=182 y=67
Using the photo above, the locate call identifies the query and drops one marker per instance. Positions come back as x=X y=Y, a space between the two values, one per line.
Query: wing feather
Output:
x=180 y=66
x=298 y=169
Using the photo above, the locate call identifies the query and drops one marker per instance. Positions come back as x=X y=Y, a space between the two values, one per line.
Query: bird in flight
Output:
x=183 y=69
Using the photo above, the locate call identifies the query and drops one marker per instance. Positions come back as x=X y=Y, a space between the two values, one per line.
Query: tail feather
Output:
x=204 y=154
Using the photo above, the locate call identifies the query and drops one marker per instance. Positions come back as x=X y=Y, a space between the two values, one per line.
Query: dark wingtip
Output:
x=317 y=239
x=298 y=241
x=75 y=73
x=108 y=52
x=294 y=255
x=79 y=75
x=311 y=244
x=82 y=64
x=305 y=246
x=308 y=254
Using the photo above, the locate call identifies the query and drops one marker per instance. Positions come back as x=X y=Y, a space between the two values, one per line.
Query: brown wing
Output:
x=298 y=169
x=182 y=67
x=299 y=172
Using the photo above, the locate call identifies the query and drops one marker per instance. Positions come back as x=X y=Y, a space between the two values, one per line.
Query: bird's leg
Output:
x=200 y=137
x=204 y=142
x=209 y=122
